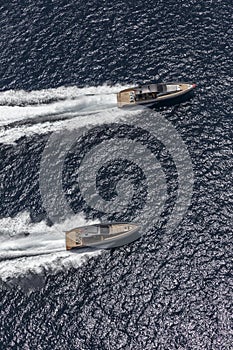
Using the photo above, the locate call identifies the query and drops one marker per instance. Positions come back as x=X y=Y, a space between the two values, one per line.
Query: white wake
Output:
x=74 y=107
x=28 y=113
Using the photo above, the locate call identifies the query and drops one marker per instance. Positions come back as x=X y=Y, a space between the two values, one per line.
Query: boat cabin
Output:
x=152 y=91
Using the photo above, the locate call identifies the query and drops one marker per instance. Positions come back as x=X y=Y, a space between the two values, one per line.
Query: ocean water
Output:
x=62 y=64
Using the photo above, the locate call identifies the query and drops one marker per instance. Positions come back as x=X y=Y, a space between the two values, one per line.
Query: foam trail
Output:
x=44 y=249
x=68 y=99
x=38 y=97
x=83 y=104
x=10 y=136
x=98 y=108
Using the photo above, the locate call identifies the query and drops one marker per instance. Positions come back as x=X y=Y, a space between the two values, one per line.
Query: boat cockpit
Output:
x=152 y=91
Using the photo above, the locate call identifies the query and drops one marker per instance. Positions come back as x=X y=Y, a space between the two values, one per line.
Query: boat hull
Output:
x=173 y=101
x=153 y=94
x=118 y=234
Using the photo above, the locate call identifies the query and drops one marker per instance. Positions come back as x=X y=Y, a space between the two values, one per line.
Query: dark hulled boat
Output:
x=150 y=94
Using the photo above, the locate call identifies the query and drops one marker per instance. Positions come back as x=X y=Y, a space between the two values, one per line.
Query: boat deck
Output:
x=119 y=228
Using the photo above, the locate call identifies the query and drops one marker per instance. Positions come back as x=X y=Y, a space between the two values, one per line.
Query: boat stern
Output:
x=126 y=97
x=73 y=239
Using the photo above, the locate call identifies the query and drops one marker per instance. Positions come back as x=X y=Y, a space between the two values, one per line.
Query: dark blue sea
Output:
x=69 y=157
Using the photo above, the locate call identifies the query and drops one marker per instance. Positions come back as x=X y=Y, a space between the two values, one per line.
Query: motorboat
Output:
x=109 y=235
x=150 y=94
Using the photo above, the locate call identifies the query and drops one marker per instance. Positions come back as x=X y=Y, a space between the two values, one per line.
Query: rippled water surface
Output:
x=62 y=64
